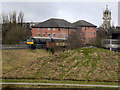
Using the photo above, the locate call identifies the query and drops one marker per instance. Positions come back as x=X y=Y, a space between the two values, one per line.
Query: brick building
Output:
x=60 y=28
x=57 y=28
x=87 y=28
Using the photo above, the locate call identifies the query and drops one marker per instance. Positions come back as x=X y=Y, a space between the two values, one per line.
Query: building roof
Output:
x=53 y=23
x=82 y=23
x=61 y=23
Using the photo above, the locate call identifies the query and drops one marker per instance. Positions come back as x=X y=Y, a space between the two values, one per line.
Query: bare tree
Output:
x=5 y=18
x=12 y=32
x=20 y=18
x=13 y=17
x=10 y=17
x=101 y=34
x=76 y=39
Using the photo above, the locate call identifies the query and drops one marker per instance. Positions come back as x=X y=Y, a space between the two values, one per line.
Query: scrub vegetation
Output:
x=85 y=64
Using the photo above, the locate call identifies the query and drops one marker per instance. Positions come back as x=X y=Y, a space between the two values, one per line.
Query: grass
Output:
x=12 y=59
x=85 y=64
x=60 y=81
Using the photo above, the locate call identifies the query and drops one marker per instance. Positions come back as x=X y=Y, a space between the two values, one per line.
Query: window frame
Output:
x=48 y=34
x=43 y=29
x=38 y=29
x=48 y=29
x=38 y=34
x=53 y=29
x=43 y=34
x=54 y=35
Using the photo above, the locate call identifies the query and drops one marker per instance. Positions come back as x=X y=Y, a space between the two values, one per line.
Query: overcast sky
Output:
x=70 y=11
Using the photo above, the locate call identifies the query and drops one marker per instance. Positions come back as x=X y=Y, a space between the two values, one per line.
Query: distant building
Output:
x=87 y=28
x=112 y=42
x=29 y=24
x=106 y=18
x=57 y=28
x=60 y=28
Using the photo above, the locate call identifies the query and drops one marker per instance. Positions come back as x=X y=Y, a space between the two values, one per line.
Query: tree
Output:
x=13 y=32
x=16 y=34
x=101 y=34
x=5 y=18
x=20 y=18
x=75 y=39
x=13 y=17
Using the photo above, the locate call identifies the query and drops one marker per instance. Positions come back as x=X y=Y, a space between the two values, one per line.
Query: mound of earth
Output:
x=89 y=64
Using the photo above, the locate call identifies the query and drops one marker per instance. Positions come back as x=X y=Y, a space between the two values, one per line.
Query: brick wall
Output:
x=50 y=32
x=89 y=33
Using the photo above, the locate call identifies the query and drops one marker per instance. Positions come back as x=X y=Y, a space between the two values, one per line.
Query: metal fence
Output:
x=17 y=46
x=111 y=43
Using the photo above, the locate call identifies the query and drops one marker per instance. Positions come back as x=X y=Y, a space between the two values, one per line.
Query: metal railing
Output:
x=111 y=43
x=17 y=46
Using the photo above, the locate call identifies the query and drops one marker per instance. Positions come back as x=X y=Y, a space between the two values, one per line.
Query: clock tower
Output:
x=106 y=18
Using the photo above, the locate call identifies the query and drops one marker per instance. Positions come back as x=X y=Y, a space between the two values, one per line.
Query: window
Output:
x=91 y=33
x=94 y=33
x=54 y=35
x=61 y=35
x=38 y=34
x=48 y=28
x=43 y=35
x=91 y=27
x=43 y=29
x=53 y=29
x=94 y=27
x=48 y=35
x=88 y=33
x=38 y=29
x=65 y=35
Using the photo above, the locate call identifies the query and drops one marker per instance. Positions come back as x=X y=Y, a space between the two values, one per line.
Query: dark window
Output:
x=48 y=35
x=43 y=35
x=38 y=34
x=54 y=35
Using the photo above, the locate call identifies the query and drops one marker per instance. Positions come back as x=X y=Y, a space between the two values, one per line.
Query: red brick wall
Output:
x=57 y=31
x=90 y=30
x=60 y=31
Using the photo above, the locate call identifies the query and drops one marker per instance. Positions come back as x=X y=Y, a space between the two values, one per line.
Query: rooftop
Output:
x=53 y=22
x=61 y=23
x=82 y=23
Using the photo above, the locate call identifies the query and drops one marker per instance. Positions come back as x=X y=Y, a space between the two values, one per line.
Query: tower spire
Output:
x=106 y=7
x=106 y=18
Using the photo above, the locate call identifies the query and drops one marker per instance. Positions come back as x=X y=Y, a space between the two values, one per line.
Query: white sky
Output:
x=70 y=11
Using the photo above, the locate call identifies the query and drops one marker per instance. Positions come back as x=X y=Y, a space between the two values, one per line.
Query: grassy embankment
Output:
x=84 y=64
x=13 y=59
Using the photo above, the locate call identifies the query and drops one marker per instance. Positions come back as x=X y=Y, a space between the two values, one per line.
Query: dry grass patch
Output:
x=88 y=64
x=12 y=59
